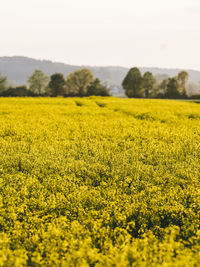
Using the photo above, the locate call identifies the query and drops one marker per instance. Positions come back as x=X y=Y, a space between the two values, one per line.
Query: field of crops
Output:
x=99 y=182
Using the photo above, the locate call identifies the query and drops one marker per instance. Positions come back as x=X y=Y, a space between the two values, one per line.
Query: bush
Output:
x=18 y=91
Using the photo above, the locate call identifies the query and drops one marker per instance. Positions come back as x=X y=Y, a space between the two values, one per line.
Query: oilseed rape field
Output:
x=99 y=182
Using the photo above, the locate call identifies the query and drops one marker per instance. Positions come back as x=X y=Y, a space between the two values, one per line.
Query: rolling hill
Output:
x=19 y=68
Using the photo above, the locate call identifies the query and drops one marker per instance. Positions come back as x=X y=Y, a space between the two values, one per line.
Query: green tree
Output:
x=3 y=83
x=38 y=82
x=96 y=88
x=163 y=87
x=132 y=83
x=182 y=79
x=57 y=84
x=78 y=82
x=173 y=88
x=149 y=83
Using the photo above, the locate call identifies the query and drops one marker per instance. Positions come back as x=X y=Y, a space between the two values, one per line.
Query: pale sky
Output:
x=159 y=33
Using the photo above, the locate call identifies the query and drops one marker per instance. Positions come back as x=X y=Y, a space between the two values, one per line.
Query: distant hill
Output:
x=18 y=69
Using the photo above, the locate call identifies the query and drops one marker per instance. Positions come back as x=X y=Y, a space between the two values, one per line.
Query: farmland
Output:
x=99 y=182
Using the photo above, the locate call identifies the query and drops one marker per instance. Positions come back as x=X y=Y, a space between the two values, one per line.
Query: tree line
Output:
x=137 y=85
x=79 y=83
x=83 y=83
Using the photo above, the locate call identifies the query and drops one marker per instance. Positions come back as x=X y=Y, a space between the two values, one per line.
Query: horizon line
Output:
x=100 y=66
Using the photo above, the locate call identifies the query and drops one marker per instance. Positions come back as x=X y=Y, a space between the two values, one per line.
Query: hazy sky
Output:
x=162 y=33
